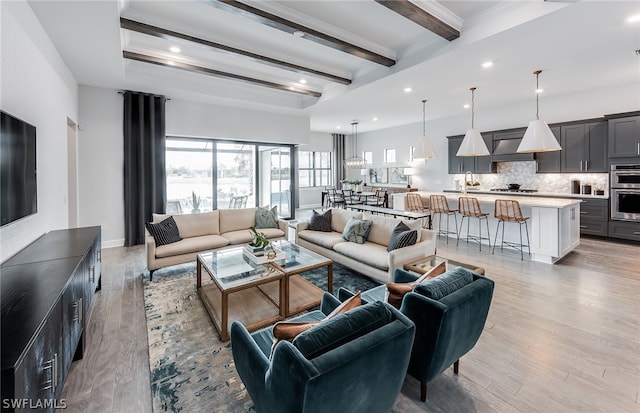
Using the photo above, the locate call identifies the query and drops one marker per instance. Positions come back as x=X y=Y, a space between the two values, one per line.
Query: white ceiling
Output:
x=578 y=45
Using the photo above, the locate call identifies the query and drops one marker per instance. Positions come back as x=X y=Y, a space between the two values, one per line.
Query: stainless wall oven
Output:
x=625 y=192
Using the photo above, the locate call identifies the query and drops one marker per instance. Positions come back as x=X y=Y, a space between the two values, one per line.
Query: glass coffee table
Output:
x=258 y=295
x=423 y=265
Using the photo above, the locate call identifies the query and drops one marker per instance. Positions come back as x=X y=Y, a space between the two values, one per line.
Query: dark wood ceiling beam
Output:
x=216 y=73
x=421 y=17
x=288 y=26
x=170 y=34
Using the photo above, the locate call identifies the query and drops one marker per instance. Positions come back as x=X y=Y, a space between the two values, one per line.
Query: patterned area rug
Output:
x=191 y=369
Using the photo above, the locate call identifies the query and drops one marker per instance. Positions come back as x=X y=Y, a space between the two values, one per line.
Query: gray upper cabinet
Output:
x=459 y=164
x=624 y=137
x=549 y=162
x=584 y=147
x=475 y=164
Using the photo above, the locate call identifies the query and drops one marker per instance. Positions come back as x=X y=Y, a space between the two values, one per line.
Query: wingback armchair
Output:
x=446 y=328
x=354 y=362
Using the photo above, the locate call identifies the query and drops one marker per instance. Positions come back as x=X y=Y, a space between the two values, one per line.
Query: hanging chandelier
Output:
x=538 y=137
x=473 y=144
x=425 y=149
x=354 y=162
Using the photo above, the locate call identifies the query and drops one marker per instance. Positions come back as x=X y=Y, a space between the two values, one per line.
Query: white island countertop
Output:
x=525 y=201
x=531 y=194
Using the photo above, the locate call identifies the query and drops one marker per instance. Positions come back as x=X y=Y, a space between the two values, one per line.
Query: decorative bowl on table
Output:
x=513 y=186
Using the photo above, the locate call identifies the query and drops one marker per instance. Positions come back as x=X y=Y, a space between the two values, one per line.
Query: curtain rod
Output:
x=122 y=92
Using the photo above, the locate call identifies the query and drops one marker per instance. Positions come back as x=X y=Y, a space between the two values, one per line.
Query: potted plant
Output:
x=259 y=242
x=195 y=203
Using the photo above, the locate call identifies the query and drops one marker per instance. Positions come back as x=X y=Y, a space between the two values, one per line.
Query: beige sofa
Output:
x=370 y=258
x=219 y=229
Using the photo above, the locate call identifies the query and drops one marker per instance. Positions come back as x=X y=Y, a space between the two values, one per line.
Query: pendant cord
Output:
x=537 y=94
x=473 y=105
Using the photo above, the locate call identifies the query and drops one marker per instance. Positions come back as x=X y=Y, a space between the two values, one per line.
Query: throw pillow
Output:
x=342 y=329
x=164 y=232
x=320 y=222
x=267 y=218
x=288 y=330
x=402 y=236
x=357 y=230
x=445 y=284
x=397 y=291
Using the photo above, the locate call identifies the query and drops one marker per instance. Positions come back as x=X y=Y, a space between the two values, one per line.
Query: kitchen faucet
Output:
x=465 y=181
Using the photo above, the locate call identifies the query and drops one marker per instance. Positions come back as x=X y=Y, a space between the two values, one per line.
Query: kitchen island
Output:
x=554 y=224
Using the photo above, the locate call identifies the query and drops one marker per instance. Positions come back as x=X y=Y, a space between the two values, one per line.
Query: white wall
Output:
x=433 y=175
x=101 y=146
x=37 y=87
x=101 y=163
x=185 y=118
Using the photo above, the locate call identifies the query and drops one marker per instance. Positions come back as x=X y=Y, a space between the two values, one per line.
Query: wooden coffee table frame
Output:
x=284 y=290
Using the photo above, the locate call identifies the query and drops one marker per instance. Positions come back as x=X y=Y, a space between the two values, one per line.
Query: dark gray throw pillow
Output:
x=164 y=232
x=402 y=236
x=320 y=222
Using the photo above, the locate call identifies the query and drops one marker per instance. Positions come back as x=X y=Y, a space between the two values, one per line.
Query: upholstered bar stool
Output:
x=414 y=203
x=439 y=205
x=469 y=207
x=508 y=210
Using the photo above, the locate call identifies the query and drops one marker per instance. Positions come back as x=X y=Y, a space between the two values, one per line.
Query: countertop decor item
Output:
x=514 y=186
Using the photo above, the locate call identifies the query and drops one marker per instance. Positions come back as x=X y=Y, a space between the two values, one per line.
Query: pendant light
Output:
x=354 y=162
x=424 y=149
x=473 y=144
x=538 y=137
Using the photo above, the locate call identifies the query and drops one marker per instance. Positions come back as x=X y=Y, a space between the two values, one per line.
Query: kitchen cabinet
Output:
x=624 y=230
x=43 y=322
x=594 y=216
x=549 y=162
x=584 y=147
x=475 y=164
x=624 y=138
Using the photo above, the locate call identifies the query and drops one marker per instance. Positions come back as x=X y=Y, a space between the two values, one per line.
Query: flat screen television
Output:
x=18 y=175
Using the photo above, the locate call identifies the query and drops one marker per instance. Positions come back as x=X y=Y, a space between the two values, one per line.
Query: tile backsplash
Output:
x=524 y=173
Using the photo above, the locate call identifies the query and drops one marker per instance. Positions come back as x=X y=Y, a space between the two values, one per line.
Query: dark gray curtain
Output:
x=144 y=162
x=338 y=156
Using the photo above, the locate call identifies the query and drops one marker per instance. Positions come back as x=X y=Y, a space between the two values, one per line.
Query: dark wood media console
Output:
x=47 y=289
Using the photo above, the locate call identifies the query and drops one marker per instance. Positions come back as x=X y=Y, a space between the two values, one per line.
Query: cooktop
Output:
x=514 y=190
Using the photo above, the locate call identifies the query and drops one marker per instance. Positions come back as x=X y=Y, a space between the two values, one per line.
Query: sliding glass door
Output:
x=208 y=174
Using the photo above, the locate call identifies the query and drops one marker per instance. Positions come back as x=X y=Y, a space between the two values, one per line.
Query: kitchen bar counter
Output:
x=554 y=225
x=534 y=194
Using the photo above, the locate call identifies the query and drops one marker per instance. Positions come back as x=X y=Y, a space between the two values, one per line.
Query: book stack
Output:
x=261 y=256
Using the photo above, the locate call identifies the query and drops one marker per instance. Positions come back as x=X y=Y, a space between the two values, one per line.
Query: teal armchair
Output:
x=446 y=328
x=354 y=362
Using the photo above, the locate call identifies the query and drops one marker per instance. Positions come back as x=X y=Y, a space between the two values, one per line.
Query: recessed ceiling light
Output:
x=303 y=81
x=375 y=119
x=338 y=127
x=407 y=89
x=634 y=18
x=298 y=33
x=174 y=49
x=467 y=106
x=171 y=62
x=539 y=90
x=487 y=64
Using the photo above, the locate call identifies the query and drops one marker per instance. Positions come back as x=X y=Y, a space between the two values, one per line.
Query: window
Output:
x=314 y=169
x=368 y=157
x=389 y=156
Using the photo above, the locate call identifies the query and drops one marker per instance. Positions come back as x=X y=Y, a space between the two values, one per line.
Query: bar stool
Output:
x=469 y=207
x=507 y=210
x=414 y=203
x=439 y=205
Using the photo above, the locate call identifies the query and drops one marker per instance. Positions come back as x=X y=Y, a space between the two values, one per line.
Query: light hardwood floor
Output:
x=559 y=338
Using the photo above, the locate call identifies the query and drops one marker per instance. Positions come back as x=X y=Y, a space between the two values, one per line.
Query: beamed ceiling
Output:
x=335 y=61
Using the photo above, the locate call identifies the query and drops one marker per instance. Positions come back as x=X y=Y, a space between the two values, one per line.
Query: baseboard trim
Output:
x=113 y=243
